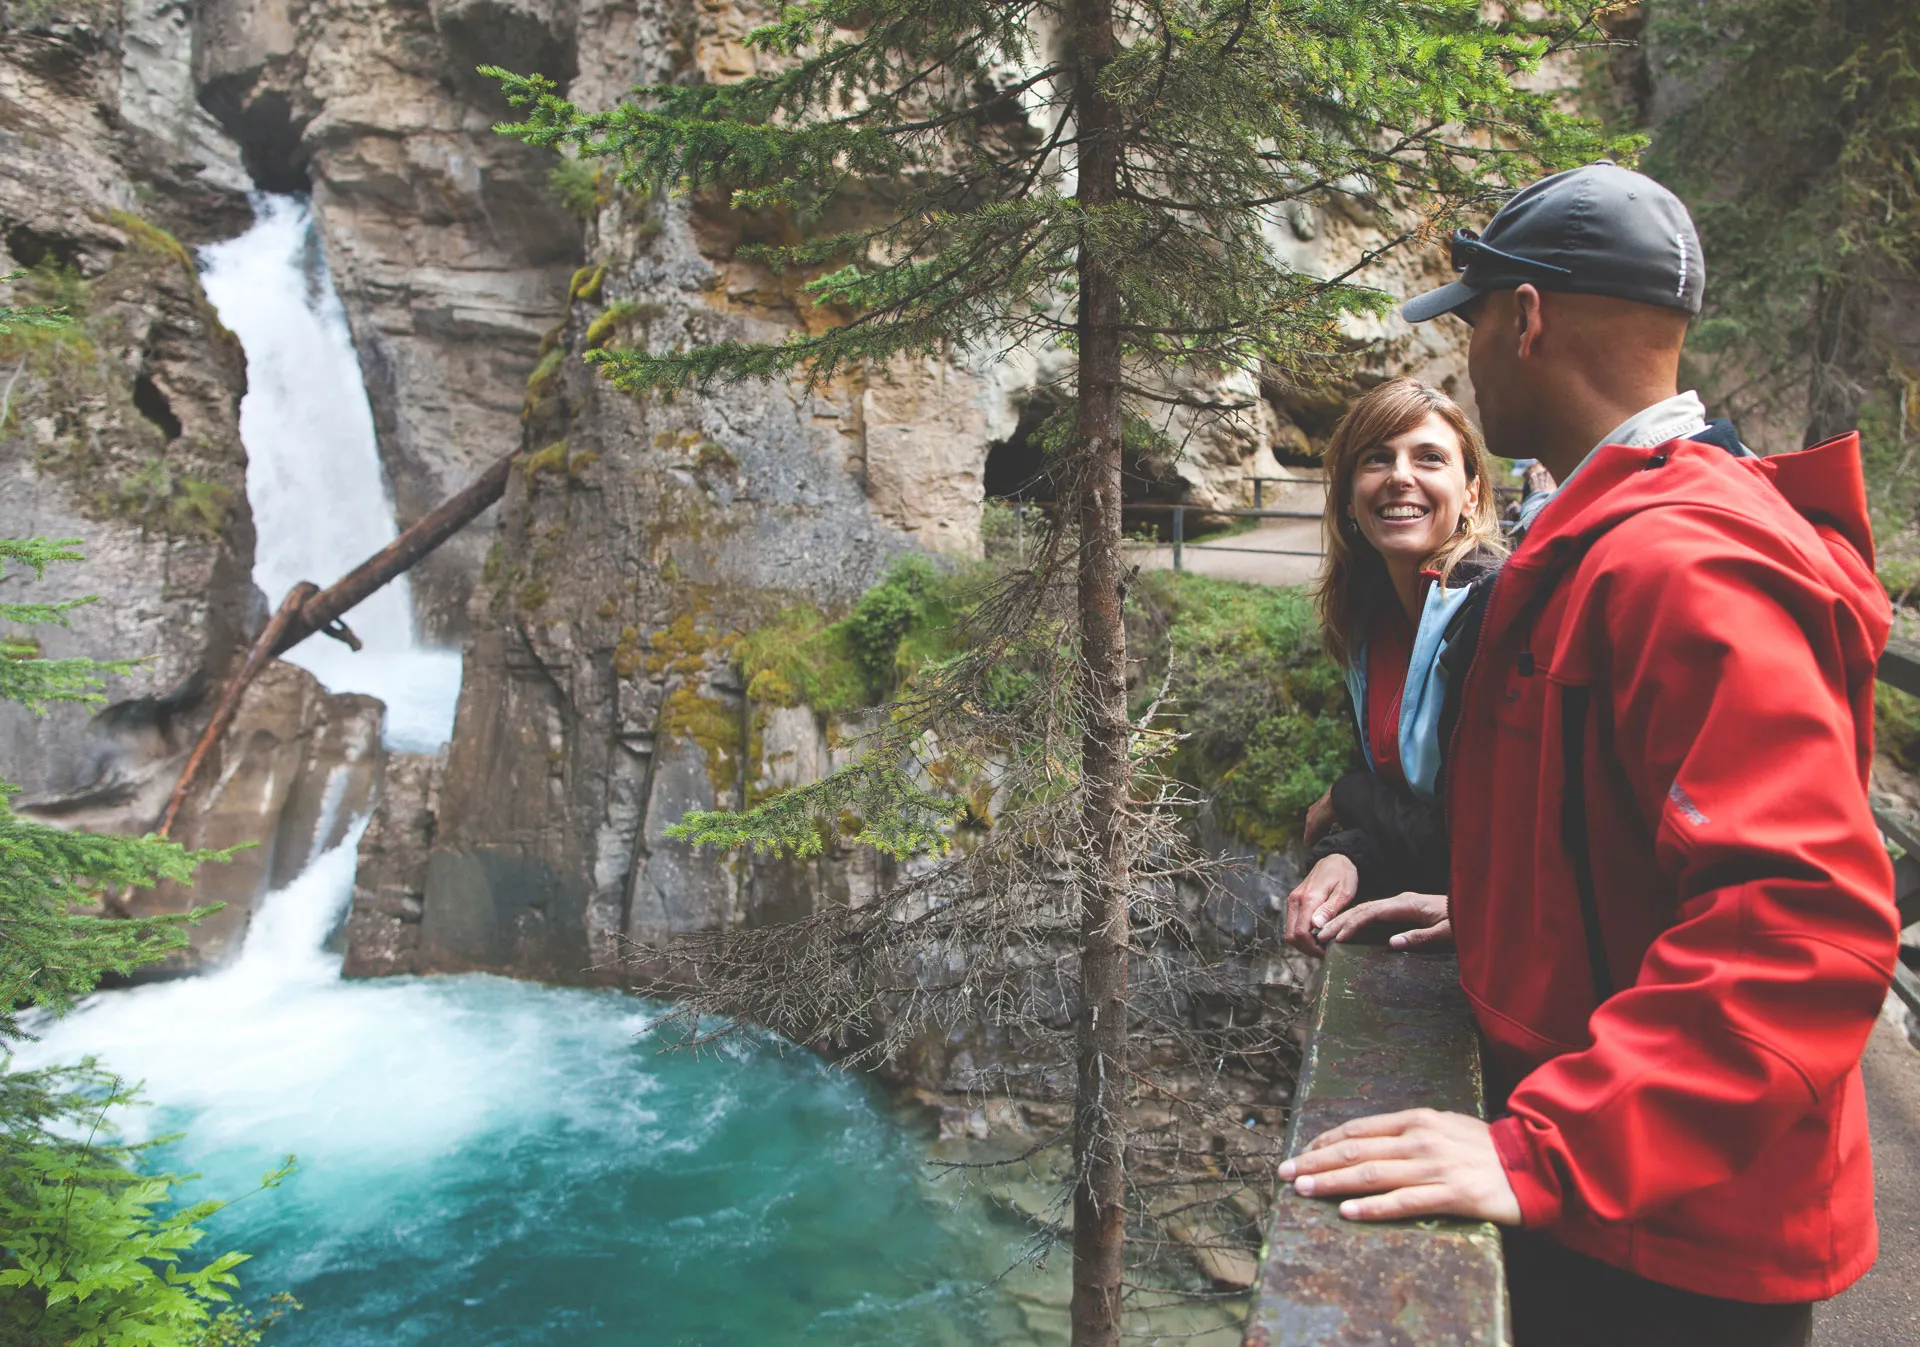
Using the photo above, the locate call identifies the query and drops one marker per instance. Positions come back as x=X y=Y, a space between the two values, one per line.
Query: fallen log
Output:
x=307 y=609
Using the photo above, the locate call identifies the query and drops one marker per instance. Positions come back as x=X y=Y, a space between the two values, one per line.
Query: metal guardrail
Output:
x=1180 y=511
x=1390 y=1030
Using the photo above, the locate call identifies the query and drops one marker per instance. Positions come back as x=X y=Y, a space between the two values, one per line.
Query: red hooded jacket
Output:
x=1671 y=705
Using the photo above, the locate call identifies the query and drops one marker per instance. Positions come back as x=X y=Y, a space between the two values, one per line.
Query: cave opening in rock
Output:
x=264 y=126
x=1016 y=466
x=29 y=248
x=151 y=403
x=1016 y=469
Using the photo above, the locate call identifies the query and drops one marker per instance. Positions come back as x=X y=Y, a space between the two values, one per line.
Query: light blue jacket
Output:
x=1425 y=693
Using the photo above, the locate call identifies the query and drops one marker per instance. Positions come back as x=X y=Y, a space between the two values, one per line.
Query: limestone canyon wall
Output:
x=597 y=601
x=449 y=252
x=121 y=430
x=639 y=536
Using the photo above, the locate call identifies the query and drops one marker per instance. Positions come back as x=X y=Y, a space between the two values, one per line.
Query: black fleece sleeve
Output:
x=1397 y=843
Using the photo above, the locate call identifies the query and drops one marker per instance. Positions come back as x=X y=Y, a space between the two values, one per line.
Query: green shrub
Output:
x=1264 y=709
x=577 y=187
x=93 y=1249
x=898 y=627
x=1896 y=726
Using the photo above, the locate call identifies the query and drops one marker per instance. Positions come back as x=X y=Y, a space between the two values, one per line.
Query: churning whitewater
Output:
x=314 y=480
x=483 y=1161
x=489 y=1161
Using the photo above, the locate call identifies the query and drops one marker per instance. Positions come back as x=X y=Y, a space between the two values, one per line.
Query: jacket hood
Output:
x=1827 y=486
x=1811 y=505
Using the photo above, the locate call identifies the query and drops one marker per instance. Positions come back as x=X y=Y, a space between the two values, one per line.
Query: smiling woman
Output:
x=1408 y=490
x=1410 y=526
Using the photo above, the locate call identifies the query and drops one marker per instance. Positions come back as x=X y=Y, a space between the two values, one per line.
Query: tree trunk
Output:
x=1836 y=387
x=1099 y=1131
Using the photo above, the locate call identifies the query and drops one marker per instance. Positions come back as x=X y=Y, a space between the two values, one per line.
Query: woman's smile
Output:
x=1402 y=512
x=1411 y=493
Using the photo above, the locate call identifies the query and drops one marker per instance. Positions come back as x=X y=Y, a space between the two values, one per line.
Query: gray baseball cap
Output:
x=1597 y=230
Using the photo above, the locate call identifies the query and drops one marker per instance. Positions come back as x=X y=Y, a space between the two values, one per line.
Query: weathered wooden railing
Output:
x=1390 y=1030
x=1900 y=668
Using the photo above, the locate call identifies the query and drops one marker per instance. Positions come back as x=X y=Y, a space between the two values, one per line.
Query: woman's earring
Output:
x=1462 y=528
x=1350 y=524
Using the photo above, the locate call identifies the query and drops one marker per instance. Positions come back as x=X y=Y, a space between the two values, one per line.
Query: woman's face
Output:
x=1411 y=492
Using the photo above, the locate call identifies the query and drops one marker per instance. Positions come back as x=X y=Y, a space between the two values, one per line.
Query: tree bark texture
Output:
x=307 y=608
x=1837 y=384
x=1099 y=1133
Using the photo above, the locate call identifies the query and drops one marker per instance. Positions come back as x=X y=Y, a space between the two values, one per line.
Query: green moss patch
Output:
x=553 y=458
x=902 y=624
x=1264 y=709
x=713 y=725
x=71 y=391
x=1896 y=726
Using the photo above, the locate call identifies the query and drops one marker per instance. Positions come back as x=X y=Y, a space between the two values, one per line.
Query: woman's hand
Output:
x=1321 y=819
x=1428 y=911
x=1327 y=889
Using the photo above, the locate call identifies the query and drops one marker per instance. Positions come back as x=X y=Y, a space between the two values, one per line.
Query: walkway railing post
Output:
x=1179 y=532
x=1258 y=482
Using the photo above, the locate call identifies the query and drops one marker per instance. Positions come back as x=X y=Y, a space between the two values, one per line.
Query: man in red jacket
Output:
x=1673 y=910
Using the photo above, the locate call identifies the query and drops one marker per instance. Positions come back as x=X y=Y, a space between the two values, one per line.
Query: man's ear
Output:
x=1528 y=317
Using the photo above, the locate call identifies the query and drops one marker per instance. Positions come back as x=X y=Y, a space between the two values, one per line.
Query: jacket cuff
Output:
x=1531 y=1180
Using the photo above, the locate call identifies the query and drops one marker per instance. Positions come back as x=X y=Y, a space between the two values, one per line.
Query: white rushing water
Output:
x=483 y=1161
x=314 y=479
x=275 y=1053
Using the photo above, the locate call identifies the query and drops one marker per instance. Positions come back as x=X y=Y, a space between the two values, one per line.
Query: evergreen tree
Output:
x=1796 y=136
x=51 y=950
x=1102 y=175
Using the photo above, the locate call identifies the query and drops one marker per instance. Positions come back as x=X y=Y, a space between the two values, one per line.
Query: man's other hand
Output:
x=1328 y=888
x=1396 y=1165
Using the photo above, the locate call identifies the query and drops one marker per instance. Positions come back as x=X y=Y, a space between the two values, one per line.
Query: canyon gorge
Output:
x=595 y=605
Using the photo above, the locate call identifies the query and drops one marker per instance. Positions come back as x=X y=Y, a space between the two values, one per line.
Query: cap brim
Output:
x=1436 y=302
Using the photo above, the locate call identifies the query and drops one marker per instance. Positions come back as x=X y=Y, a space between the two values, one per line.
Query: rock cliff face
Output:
x=639 y=537
x=449 y=252
x=122 y=430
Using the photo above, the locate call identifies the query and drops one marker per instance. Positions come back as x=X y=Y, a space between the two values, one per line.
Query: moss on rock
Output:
x=712 y=724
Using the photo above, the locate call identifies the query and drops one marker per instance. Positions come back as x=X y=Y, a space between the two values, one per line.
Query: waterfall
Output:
x=482 y=1160
x=314 y=479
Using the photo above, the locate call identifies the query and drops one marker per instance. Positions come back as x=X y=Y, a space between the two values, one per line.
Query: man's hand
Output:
x=1321 y=819
x=1427 y=910
x=1418 y=1163
x=1328 y=888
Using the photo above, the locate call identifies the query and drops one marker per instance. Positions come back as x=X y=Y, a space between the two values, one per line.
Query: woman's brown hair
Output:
x=1354 y=583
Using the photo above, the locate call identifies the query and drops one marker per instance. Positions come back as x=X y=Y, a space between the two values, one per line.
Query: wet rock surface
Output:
x=120 y=430
x=389 y=887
